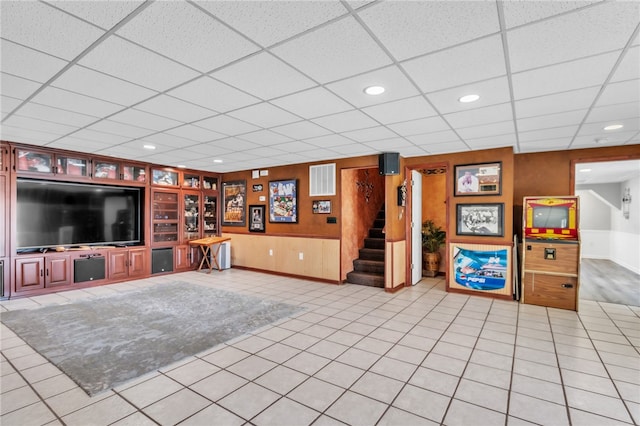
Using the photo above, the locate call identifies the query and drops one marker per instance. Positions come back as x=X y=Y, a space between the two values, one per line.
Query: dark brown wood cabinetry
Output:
x=33 y=273
x=129 y=263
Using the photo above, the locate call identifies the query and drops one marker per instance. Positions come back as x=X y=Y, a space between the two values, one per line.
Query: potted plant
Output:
x=433 y=237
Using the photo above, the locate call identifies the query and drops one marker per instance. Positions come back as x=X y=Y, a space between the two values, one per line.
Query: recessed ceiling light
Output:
x=601 y=140
x=149 y=146
x=181 y=166
x=585 y=170
x=217 y=160
x=614 y=127
x=468 y=98
x=374 y=90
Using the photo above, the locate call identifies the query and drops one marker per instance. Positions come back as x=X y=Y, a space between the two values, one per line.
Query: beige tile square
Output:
x=597 y=404
x=537 y=411
x=281 y=379
x=17 y=398
x=276 y=334
x=300 y=341
x=54 y=386
x=354 y=409
x=461 y=413
x=226 y=356
x=435 y=381
x=251 y=367
x=375 y=386
x=453 y=351
x=394 y=417
x=344 y=338
x=339 y=374
x=213 y=415
x=580 y=418
x=12 y=381
x=307 y=363
x=135 y=419
x=406 y=354
x=540 y=371
x=253 y=344
x=107 y=410
x=73 y=399
x=152 y=390
x=393 y=368
x=249 y=400
x=327 y=349
x=34 y=414
x=422 y=402
x=589 y=382
x=483 y=395
x=358 y=358
x=537 y=388
x=193 y=371
x=283 y=412
x=218 y=385
x=316 y=394
x=444 y=364
x=176 y=407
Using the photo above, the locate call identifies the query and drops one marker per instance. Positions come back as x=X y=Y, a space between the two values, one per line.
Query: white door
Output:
x=416 y=227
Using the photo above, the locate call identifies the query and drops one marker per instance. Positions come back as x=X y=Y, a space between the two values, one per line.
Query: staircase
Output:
x=368 y=269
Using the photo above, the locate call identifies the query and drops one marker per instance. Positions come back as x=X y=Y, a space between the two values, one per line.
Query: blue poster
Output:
x=480 y=270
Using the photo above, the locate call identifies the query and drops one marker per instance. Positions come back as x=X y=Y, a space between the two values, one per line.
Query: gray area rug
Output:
x=104 y=342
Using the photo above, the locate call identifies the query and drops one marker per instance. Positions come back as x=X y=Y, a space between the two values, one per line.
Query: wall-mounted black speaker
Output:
x=389 y=163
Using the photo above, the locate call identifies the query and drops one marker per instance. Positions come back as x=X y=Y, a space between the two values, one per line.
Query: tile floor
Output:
x=359 y=356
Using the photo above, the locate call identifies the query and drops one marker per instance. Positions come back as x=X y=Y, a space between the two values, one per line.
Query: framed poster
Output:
x=256 y=221
x=322 y=206
x=480 y=219
x=478 y=179
x=480 y=267
x=233 y=203
x=283 y=201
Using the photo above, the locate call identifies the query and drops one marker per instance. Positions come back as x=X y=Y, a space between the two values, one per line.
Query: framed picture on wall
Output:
x=478 y=179
x=485 y=268
x=480 y=219
x=283 y=201
x=322 y=206
x=233 y=203
x=256 y=218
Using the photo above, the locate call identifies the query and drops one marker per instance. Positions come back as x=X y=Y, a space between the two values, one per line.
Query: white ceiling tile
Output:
x=19 y=134
x=70 y=101
x=522 y=12
x=206 y=151
x=127 y=61
x=491 y=92
x=56 y=115
x=370 y=134
x=169 y=27
x=396 y=85
x=274 y=79
x=480 y=116
x=28 y=63
x=345 y=121
x=106 y=139
x=270 y=22
x=402 y=110
x=38 y=125
x=545 y=145
x=227 y=125
x=560 y=78
x=445 y=136
x=412 y=28
x=599 y=141
x=493 y=129
x=557 y=102
x=86 y=81
x=323 y=154
x=173 y=157
x=354 y=149
x=301 y=130
x=597 y=128
x=8 y=104
x=167 y=106
x=340 y=50
x=295 y=146
x=329 y=141
x=71 y=143
x=168 y=141
x=115 y=128
x=416 y=127
x=64 y=36
x=542 y=134
x=313 y=103
x=144 y=119
x=265 y=138
x=17 y=87
x=195 y=133
x=546 y=121
x=446 y=147
x=629 y=68
x=104 y=14
x=213 y=94
x=264 y=115
x=241 y=149
x=393 y=144
x=267 y=151
x=587 y=32
x=496 y=141
x=613 y=93
x=412 y=151
x=475 y=61
x=615 y=112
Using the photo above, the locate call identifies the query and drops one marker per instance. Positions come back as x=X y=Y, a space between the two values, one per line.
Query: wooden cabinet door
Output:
x=118 y=261
x=182 y=257
x=58 y=271
x=137 y=262
x=29 y=273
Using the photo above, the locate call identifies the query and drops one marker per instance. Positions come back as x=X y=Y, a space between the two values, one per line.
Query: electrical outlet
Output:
x=270 y=252
x=301 y=256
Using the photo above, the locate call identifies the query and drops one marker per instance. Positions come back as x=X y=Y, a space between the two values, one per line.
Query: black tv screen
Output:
x=51 y=214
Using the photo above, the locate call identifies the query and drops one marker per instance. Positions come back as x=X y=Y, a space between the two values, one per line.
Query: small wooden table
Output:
x=206 y=247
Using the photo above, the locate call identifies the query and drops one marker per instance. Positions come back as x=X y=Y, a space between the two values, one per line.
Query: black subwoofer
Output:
x=161 y=260
x=88 y=269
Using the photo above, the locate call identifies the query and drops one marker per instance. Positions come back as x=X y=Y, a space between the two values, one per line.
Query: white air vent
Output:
x=322 y=180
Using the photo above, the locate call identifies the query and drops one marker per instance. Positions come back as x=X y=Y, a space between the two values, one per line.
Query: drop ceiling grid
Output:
x=311 y=62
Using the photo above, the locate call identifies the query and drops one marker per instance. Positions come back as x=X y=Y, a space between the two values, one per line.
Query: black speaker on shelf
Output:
x=389 y=163
x=89 y=269
x=161 y=260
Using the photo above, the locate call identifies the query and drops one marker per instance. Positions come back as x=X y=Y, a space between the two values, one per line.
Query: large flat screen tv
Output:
x=52 y=214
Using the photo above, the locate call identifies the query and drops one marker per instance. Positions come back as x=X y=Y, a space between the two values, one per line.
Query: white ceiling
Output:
x=266 y=83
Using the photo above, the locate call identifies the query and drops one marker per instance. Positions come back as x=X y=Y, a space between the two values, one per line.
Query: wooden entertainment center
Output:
x=176 y=206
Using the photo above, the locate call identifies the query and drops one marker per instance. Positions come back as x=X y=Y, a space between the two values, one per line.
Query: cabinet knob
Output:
x=567 y=285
